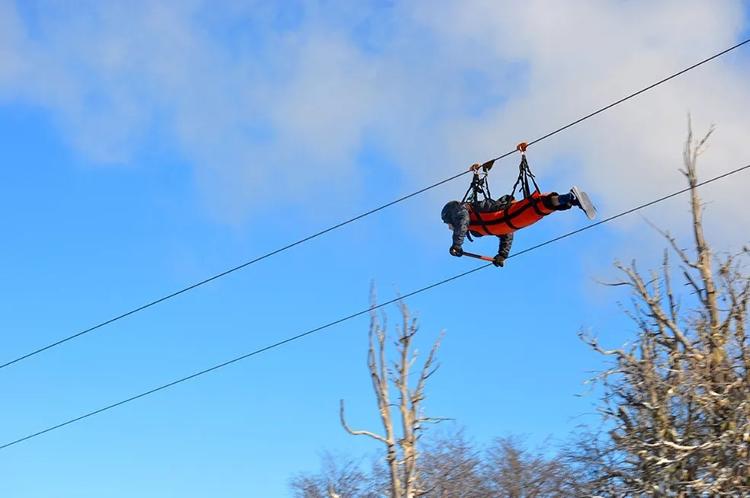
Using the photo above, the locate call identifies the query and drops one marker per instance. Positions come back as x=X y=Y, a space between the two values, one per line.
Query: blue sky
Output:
x=147 y=146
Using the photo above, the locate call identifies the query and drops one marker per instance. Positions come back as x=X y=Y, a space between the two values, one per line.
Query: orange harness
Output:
x=519 y=214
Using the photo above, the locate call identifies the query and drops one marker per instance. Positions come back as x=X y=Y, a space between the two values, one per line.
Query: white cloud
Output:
x=257 y=92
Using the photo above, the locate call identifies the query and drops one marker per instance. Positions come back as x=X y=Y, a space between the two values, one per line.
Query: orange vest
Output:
x=519 y=214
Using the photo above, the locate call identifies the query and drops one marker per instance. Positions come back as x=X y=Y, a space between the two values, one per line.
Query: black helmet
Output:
x=448 y=211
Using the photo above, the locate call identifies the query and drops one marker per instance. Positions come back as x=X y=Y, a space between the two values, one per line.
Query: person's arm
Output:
x=460 y=227
x=506 y=241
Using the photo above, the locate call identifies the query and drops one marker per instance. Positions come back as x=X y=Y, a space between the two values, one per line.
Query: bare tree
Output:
x=679 y=396
x=401 y=446
x=340 y=477
x=451 y=466
x=594 y=465
x=514 y=472
x=444 y=465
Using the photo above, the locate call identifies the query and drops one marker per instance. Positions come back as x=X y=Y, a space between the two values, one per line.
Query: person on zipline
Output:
x=502 y=217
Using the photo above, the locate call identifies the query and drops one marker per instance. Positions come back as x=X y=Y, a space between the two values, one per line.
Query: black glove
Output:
x=456 y=250
x=498 y=260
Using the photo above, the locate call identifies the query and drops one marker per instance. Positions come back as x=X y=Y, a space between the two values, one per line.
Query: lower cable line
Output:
x=360 y=313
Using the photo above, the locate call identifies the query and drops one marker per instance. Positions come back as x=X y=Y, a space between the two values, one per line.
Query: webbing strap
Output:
x=507 y=220
x=524 y=175
x=535 y=205
x=470 y=191
x=478 y=186
x=478 y=214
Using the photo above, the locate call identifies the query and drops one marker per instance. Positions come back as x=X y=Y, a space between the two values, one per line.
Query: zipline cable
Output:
x=350 y=220
x=359 y=313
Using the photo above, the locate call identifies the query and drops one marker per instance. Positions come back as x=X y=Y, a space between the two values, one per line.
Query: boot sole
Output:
x=586 y=205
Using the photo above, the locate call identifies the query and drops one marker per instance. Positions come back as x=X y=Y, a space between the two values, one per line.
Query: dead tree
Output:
x=401 y=447
x=512 y=471
x=340 y=477
x=679 y=395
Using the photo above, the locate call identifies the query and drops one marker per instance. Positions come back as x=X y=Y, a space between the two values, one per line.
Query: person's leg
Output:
x=559 y=202
x=566 y=201
x=576 y=197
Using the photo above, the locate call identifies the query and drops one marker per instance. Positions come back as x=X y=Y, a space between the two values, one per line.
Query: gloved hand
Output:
x=456 y=250
x=498 y=260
